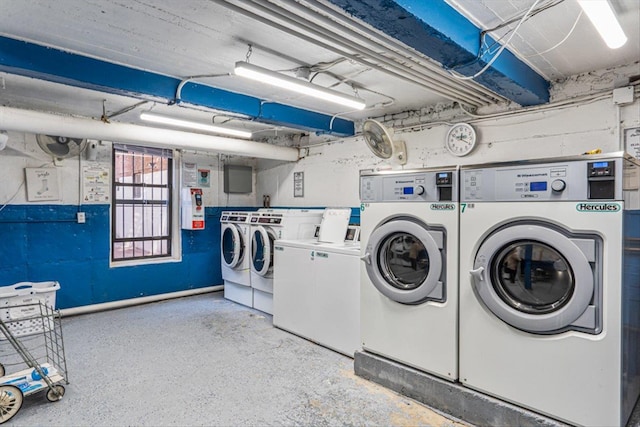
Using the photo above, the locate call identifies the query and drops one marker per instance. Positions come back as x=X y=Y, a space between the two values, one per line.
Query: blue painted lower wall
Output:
x=44 y=242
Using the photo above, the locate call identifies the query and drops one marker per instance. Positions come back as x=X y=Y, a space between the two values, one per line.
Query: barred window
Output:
x=141 y=202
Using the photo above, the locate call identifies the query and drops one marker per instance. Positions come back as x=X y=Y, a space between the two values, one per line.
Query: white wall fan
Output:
x=61 y=147
x=380 y=141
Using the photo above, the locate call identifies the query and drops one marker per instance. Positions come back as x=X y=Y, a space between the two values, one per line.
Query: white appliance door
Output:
x=231 y=245
x=262 y=241
x=538 y=279
x=404 y=261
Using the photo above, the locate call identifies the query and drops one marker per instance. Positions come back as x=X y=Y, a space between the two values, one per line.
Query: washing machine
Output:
x=267 y=226
x=547 y=308
x=409 y=273
x=317 y=292
x=235 y=260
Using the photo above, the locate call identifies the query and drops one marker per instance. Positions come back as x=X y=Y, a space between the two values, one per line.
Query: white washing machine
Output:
x=235 y=240
x=267 y=227
x=547 y=307
x=409 y=277
x=317 y=292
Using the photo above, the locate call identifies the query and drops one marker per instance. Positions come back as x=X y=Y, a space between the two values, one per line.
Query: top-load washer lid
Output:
x=404 y=260
x=539 y=279
x=232 y=245
x=333 y=227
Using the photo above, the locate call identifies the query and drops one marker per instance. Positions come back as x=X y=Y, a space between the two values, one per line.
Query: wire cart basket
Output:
x=32 y=357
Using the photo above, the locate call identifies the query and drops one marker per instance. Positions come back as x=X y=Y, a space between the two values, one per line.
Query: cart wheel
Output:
x=2 y=371
x=10 y=402
x=55 y=393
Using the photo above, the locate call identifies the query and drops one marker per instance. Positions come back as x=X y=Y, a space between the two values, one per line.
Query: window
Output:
x=141 y=211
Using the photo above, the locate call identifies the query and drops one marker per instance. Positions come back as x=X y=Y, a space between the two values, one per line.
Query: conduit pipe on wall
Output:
x=15 y=119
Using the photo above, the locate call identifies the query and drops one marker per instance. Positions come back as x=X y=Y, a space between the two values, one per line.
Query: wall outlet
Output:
x=81 y=218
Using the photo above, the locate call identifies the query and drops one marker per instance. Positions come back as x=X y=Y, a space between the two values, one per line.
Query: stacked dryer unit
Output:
x=549 y=284
x=235 y=239
x=267 y=226
x=409 y=277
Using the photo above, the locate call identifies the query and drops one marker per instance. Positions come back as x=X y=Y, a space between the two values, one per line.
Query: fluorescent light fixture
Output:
x=602 y=17
x=263 y=75
x=148 y=117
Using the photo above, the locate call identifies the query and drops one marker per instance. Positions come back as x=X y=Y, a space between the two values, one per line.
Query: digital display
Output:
x=443 y=175
x=601 y=164
x=407 y=190
x=538 y=186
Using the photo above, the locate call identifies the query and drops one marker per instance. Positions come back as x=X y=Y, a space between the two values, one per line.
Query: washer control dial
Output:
x=419 y=190
x=558 y=185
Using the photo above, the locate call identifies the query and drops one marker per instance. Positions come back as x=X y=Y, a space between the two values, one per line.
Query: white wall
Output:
x=22 y=151
x=331 y=171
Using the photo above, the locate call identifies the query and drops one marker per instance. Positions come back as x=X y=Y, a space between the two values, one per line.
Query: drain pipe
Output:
x=94 y=308
x=15 y=119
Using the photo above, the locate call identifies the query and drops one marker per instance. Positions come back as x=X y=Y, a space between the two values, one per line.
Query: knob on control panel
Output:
x=558 y=185
x=419 y=190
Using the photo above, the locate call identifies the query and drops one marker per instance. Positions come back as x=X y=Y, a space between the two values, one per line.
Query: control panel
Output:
x=266 y=218
x=571 y=180
x=235 y=217
x=422 y=186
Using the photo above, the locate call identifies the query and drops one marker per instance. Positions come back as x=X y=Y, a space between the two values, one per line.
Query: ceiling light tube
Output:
x=154 y=118
x=602 y=17
x=250 y=71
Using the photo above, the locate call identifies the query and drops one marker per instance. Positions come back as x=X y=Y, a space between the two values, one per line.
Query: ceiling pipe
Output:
x=385 y=43
x=268 y=14
x=19 y=120
x=356 y=42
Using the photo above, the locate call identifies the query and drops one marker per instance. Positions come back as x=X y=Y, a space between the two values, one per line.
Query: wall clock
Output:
x=461 y=139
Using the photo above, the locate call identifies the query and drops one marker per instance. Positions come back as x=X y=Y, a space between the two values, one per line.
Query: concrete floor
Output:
x=204 y=360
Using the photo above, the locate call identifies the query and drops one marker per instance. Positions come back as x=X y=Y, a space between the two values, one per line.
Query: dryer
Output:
x=235 y=260
x=548 y=310
x=267 y=226
x=409 y=274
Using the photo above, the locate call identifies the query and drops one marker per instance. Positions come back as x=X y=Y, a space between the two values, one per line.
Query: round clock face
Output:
x=461 y=139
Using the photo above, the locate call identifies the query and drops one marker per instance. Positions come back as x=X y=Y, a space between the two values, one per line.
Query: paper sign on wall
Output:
x=42 y=184
x=95 y=184
x=632 y=142
x=189 y=174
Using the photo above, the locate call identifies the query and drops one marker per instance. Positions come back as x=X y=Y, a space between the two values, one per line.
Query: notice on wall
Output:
x=298 y=184
x=632 y=142
x=189 y=174
x=95 y=184
x=42 y=184
x=204 y=178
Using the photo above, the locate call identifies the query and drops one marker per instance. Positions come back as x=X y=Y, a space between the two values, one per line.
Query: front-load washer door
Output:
x=232 y=245
x=404 y=261
x=262 y=241
x=539 y=279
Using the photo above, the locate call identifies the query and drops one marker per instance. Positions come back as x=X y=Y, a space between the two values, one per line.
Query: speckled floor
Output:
x=204 y=360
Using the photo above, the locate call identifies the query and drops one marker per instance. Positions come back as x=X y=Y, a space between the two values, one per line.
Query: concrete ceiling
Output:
x=180 y=39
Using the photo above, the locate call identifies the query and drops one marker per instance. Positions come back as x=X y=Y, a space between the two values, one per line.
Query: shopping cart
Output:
x=32 y=357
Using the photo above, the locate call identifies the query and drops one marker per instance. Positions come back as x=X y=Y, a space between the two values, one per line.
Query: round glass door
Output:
x=262 y=243
x=532 y=277
x=537 y=279
x=232 y=246
x=404 y=261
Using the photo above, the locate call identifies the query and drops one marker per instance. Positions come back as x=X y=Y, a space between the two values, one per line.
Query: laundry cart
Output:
x=32 y=357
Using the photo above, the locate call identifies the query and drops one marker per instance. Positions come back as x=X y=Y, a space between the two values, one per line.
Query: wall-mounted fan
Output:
x=380 y=141
x=61 y=147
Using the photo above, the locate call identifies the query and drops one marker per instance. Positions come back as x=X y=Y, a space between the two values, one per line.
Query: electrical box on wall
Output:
x=238 y=179
x=192 y=209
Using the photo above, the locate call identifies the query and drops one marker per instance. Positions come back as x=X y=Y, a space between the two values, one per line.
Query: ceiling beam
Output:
x=50 y=64
x=440 y=32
